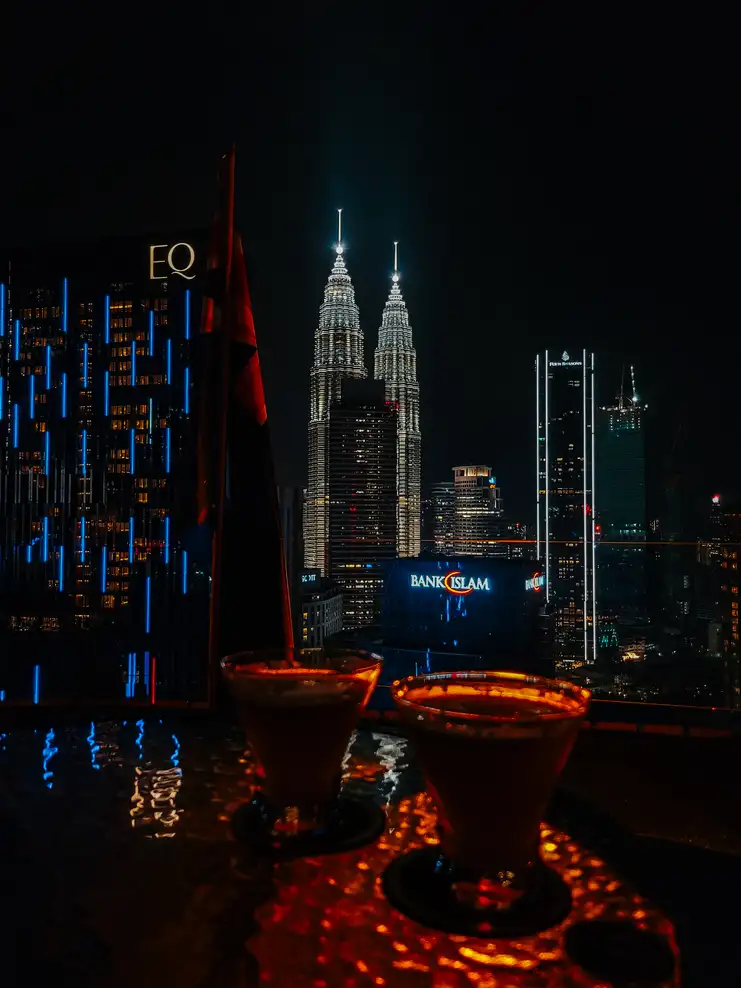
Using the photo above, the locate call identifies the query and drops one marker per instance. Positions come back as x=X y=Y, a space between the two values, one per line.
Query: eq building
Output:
x=98 y=371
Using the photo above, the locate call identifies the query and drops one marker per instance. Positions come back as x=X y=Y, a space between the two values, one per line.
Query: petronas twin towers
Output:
x=338 y=354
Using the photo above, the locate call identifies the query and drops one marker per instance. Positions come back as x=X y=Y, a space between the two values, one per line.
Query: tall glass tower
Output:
x=565 y=485
x=338 y=354
x=396 y=365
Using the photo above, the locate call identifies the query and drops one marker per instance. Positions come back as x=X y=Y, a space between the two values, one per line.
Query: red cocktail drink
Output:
x=491 y=746
x=298 y=715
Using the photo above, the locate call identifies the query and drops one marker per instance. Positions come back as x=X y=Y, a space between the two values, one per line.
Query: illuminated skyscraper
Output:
x=338 y=354
x=362 y=498
x=396 y=365
x=96 y=441
x=443 y=518
x=478 y=509
x=565 y=484
x=621 y=496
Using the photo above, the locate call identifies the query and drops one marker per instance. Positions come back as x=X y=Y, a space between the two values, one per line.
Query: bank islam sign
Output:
x=454 y=582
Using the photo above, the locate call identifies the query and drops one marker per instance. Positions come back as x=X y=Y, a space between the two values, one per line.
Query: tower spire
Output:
x=396 y=257
x=339 y=231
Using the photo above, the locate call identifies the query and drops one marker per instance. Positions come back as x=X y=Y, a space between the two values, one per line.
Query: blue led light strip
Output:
x=169 y=362
x=132 y=451
x=61 y=568
x=103 y=568
x=106 y=395
x=28 y=552
x=84 y=365
x=82 y=539
x=2 y=308
x=15 y=427
x=48 y=366
x=64 y=396
x=186 y=396
x=131 y=539
x=17 y=340
x=187 y=313
x=36 y=683
x=151 y=333
x=128 y=678
x=47 y=451
x=64 y=306
x=84 y=452
x=167 y=449
x=133 y=363
x=147 y=663
x=107 y=318
x=45 y=553
x=147 y=605
x=31 y=396
x=185 y=570
x=167 y=540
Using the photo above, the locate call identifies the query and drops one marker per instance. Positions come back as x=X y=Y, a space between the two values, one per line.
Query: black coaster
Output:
x=353 y=823
x=620 y=953
x=418 y=885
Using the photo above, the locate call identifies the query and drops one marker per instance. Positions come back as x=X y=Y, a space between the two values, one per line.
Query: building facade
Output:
x=362 y=497
x=565 y=498
x=478 y=511
x=338 y=354
x=396 y=365
x=320 y=610
x=442 y=511
x=621 y=496
x=97 y=378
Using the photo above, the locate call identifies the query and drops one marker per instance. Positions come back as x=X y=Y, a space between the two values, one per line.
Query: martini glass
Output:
x=298 y=710
x=491 y=746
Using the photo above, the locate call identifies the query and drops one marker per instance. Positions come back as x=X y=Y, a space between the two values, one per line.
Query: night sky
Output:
x=560 y=182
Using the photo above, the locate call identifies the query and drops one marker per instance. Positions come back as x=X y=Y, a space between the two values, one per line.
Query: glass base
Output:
x=619 y=953
x=420 y=886
x=352 y=823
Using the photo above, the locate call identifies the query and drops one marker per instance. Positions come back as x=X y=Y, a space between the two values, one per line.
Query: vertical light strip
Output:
x=47 y=452
x=167 y=449
x=131 y=539
x=184 y=558
x=48 y=366
x=594 y=545
x=2 y=308
x=2 y=397
x=106 y=393
x=32 y=395
x=537 y=456
x=64 y=396
x=169 y=362
x=84 y=452
x=147 y=663
x=147 y=605
x=64 y=305
x=129 y=678
x=103 y=568
x=29 y=550
x=82 y=539
x=107 y=318
x=17 y=340
x=15 y=427
x=547 y=520
x=584 y=489
x=167 y=540
x=36 y=683
x=84 y=364
x=150 y=420
x=187 y=313
x=133 y=363
x=132 y=451
x=61 y=568
x=186 y=395
x=45 y=544
x=151 y=333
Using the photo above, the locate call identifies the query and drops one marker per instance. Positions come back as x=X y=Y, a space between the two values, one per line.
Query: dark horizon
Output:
x=561 y=183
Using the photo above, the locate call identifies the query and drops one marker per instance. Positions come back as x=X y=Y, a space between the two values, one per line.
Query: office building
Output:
x=565 y=498
x=362 y=497
x=319 y=605
x=442 y=513
x=97 y=378
x=621 y=517
x=396 y=365
x=478 y=511
x=338 y=354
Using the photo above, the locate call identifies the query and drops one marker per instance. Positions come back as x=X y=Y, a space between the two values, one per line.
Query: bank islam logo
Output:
x=453 y=582
x=535 y=583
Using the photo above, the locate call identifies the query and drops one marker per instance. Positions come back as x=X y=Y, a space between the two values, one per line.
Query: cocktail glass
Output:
x=298 y=710
x=491 y=746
